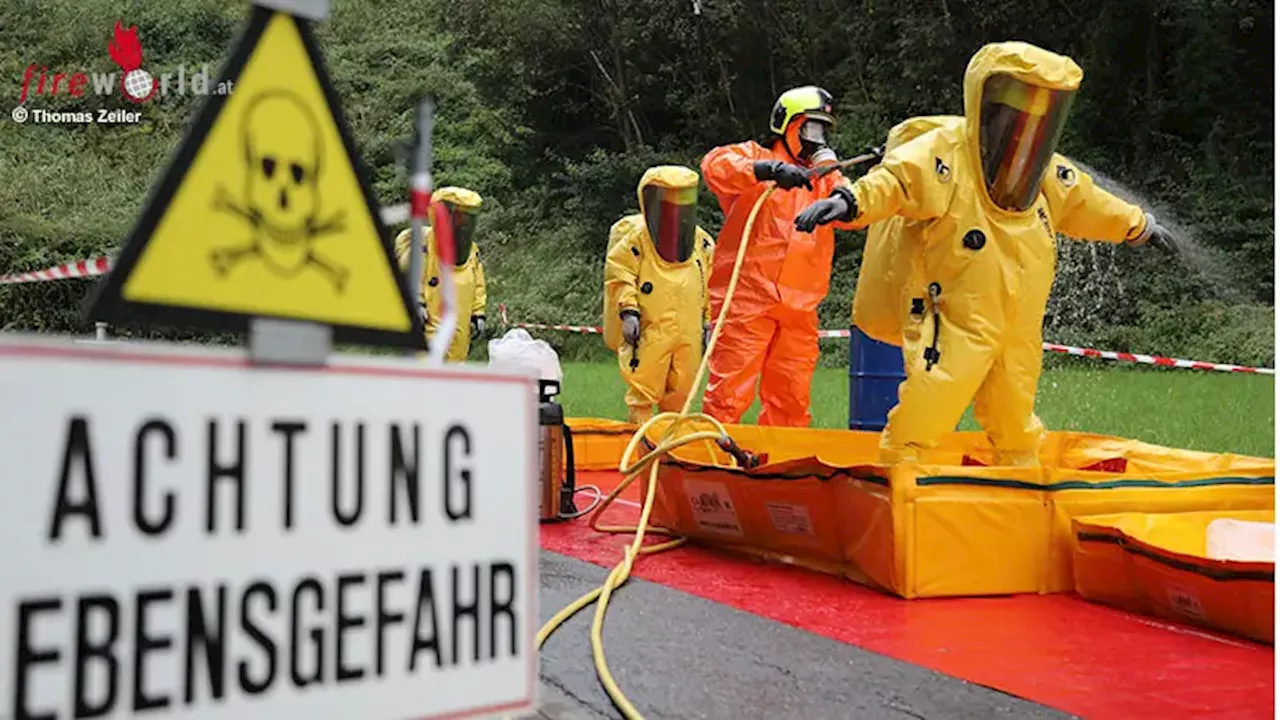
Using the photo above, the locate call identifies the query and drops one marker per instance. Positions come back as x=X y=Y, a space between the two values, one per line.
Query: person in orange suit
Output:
x=770 y=333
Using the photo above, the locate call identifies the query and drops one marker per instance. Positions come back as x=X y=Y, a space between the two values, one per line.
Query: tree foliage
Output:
x=553 y=108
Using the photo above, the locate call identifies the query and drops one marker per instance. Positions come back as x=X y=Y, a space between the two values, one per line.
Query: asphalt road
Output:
x=679 y=656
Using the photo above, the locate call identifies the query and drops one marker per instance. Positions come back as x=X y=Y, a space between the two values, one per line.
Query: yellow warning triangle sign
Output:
x=265 y=210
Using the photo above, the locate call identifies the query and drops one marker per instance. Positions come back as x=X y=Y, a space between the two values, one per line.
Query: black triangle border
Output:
x=106 y=301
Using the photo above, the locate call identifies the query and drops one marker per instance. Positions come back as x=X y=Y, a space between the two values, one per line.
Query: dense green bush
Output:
x=1204 y=330
x=553 y=108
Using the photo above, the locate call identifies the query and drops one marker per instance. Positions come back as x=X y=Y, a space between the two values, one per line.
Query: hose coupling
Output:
x=746 y=459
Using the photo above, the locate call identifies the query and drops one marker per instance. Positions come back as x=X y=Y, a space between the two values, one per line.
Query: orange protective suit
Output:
x=771 y=330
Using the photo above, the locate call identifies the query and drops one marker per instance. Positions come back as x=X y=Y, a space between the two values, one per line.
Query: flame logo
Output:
x=125 y=48
x=136 y=84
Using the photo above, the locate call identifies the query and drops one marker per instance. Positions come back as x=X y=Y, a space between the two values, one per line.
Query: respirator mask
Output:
x=814 y=143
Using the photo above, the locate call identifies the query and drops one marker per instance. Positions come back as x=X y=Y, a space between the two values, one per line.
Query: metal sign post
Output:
x=420 y=195
x=273 y=341
x=286 y=342
x=309 y=9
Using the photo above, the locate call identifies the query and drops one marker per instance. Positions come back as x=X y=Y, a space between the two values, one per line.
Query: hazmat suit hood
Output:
x=911 y=128
x=669 y=203
x=464 y=210
x=1016 y=101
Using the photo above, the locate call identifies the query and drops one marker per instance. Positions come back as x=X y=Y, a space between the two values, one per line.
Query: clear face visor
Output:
x=814 y=131
x=1019 y=129
x=463 y=221
x=670 y=215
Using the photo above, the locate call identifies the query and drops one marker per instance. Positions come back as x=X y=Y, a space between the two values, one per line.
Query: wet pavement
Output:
x=679 y=656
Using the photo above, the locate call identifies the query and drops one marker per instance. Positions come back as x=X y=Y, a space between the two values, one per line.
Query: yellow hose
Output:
x=670 y=441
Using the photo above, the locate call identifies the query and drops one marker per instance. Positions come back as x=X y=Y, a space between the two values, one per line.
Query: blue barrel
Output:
x=875 y=371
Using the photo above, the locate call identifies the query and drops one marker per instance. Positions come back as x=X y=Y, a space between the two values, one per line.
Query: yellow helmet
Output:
x=463 y=206
x=809 y=100
x=802 y=119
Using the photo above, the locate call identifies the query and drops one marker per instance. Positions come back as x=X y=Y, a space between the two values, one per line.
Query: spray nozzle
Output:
x=825 y=161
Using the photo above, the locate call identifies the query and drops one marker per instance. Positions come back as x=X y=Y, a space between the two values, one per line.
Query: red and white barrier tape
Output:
x=391 y=215
x=82 y=269
x=1155 y=360
x=1050 y=347
x=100 y=265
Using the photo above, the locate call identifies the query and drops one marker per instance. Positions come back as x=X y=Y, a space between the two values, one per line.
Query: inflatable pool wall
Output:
x=1166 y=565
x=949 y=526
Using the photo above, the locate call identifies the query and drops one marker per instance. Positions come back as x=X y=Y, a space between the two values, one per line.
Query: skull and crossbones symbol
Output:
x=283 y=153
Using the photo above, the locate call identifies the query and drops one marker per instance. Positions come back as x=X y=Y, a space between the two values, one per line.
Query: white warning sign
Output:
x=711 y=506
x=188 y=536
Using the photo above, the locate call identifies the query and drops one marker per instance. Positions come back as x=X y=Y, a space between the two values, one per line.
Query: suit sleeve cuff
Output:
x=844 y=192
x=1148 y=222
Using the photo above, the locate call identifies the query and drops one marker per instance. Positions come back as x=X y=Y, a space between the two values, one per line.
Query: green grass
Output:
x=1214 y=412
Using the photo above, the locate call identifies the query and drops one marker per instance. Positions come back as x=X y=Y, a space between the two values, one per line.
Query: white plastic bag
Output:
x=517 y=350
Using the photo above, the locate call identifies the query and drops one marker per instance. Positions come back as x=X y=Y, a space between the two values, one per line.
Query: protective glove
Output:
x=706 y=335
x=477 y=325
x=839 y=206
x=1157 y=236
x=631 y=327
x=786 y=175
x=877 y=150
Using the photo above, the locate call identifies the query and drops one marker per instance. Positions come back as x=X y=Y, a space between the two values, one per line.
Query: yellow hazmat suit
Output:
x=968 y=212
x=891 y=259
x=656 y=272
x=468 y=275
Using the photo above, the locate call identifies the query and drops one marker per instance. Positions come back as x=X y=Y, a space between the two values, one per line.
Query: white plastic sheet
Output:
x=1242 y=541
x=517 y=350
